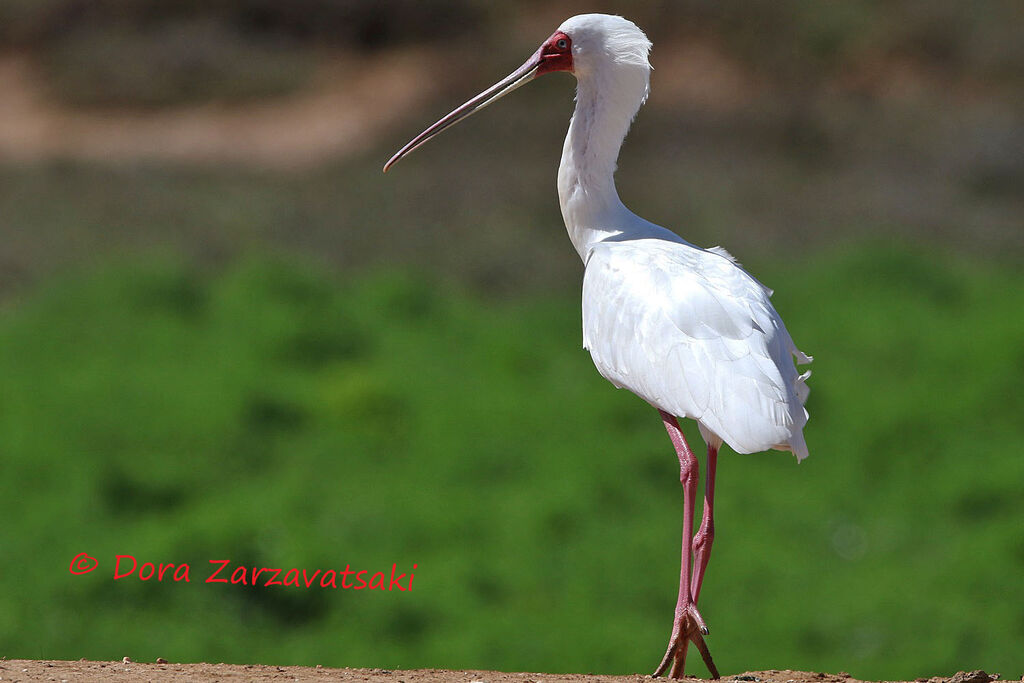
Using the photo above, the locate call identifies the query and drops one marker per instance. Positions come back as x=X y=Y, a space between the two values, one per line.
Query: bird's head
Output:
x=603 y=43
x=590 y=46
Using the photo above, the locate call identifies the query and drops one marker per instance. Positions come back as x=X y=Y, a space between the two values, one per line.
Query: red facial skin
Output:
x=555 y=54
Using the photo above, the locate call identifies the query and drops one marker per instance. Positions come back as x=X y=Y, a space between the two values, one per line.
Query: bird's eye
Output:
x=562 y=44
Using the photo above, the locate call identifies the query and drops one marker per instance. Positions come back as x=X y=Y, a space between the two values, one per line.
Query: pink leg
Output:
x=706 y=534
x=688 y=624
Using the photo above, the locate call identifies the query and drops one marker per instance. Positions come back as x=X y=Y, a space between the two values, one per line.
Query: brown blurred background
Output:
x=772 y=127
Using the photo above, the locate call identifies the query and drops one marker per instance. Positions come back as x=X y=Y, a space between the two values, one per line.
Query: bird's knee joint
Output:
x=688 y=472
x=704 y=538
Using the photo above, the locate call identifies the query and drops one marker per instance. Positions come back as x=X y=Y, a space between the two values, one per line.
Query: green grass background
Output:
x=274 y=414
x=324 y=366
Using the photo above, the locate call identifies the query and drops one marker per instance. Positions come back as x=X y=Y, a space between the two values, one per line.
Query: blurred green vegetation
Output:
x=276 y=415
x=334 y=368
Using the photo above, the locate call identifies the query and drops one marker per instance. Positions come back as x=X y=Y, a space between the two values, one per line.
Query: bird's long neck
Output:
x=605 y=107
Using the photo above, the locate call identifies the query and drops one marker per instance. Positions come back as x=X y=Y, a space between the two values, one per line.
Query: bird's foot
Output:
x=689 y=627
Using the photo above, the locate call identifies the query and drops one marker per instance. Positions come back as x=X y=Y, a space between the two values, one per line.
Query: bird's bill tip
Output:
x=519 y=77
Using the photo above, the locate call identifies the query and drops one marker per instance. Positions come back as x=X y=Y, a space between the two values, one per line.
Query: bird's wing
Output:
x=695 y=335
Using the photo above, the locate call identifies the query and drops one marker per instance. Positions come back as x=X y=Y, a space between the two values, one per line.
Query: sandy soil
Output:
x=132 y=672
x=351 y=102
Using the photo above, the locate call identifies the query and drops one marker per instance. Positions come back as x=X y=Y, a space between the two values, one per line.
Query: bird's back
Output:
x=695 y=335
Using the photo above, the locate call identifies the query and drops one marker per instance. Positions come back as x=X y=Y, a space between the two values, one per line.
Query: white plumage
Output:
x=686 y=329
x=693 y=334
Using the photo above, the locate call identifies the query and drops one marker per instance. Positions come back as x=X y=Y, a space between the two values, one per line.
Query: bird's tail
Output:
x=797 y=445
x=796 y=441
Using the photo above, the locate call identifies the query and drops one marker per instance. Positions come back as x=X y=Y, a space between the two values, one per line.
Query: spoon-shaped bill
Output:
x=517 y=78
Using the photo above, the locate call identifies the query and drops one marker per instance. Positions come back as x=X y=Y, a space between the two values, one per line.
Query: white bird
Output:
x=684 y=328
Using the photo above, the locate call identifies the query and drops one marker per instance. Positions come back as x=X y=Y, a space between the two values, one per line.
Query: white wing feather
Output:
x=695 y=335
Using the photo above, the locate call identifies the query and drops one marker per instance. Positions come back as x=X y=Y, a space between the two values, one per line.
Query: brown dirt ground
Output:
x=134 y=672
x=350 y=103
